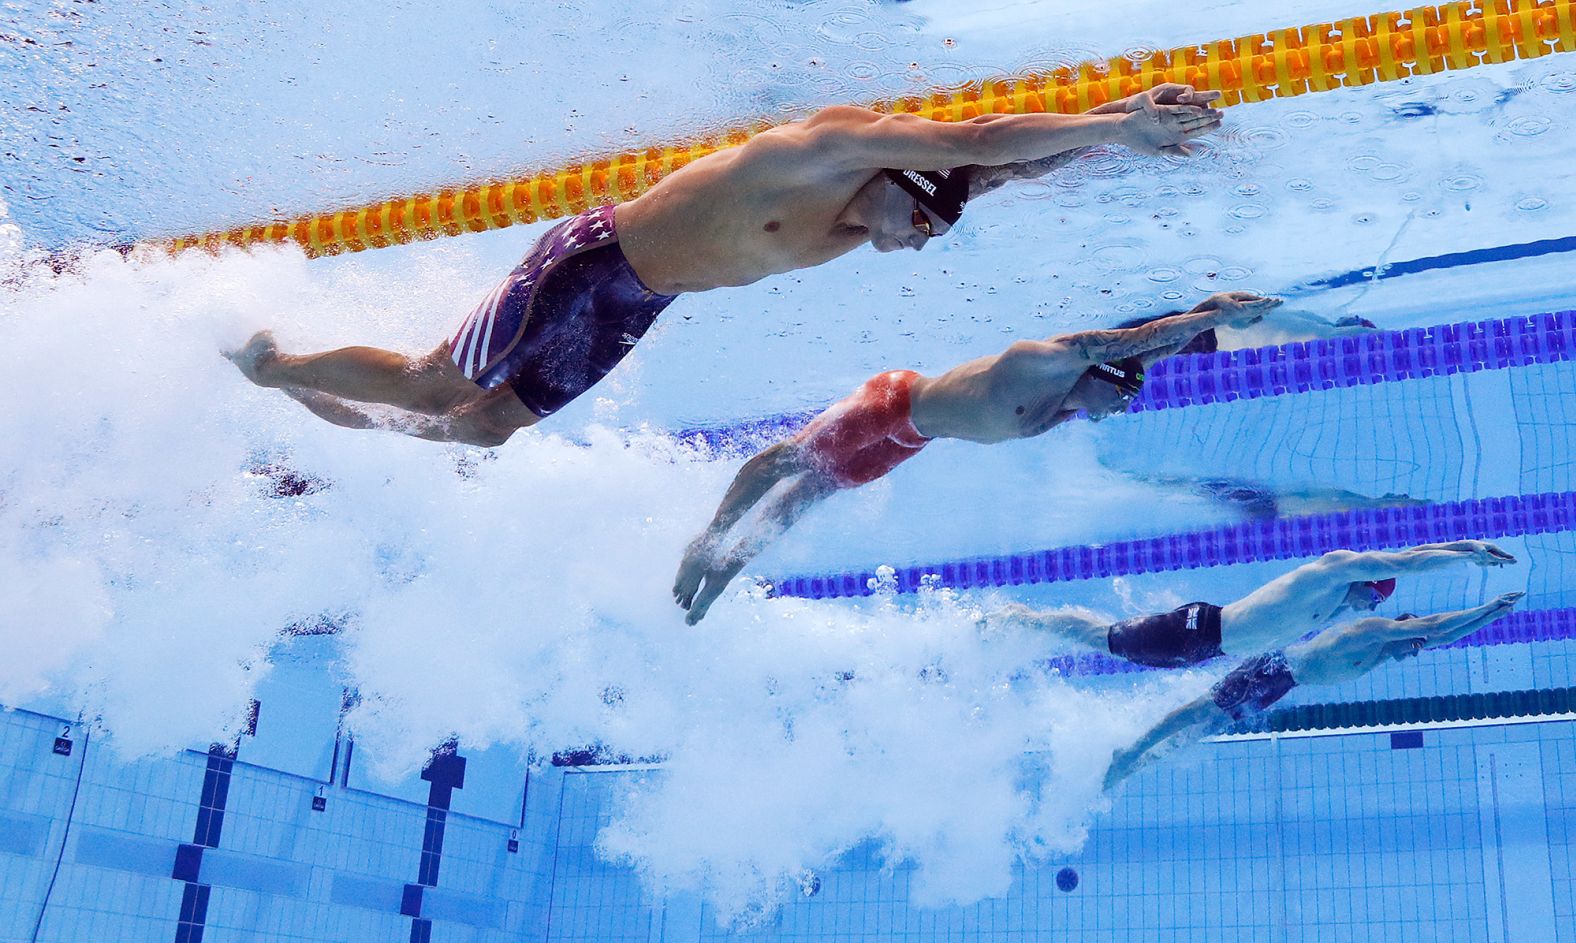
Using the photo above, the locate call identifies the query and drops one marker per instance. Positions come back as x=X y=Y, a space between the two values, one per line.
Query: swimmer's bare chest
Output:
x=990 y=401
x=714 y=251
x=726 y=229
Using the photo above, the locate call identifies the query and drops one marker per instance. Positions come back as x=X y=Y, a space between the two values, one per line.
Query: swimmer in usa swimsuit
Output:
x=1272 y=616
x=1336 y=655
x=791 y=197
x=564 y=318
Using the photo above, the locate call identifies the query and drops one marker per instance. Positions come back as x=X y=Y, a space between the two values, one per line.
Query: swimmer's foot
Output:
x=255 y=356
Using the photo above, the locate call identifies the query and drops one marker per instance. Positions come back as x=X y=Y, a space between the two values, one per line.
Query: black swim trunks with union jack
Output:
x=567 y=314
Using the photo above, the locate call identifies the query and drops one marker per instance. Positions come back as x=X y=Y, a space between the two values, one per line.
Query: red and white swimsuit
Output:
x=867 y=434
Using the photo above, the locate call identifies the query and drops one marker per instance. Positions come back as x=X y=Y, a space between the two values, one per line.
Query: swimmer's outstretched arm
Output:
x=857 y=138
x=1349 y=651
x=985 y=178
x=705 y=572
x=1446 y=628
x=1357 y=565
x=755 y=478
x=1154 y=338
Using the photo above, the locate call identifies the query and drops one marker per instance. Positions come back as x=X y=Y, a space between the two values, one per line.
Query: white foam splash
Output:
x=516 y=597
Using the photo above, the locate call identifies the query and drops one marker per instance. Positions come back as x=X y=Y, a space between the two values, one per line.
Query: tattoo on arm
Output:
x=986 y=179
x=1174 y=331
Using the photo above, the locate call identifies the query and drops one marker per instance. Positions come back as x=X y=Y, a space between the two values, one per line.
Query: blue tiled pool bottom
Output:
x=1439 y=834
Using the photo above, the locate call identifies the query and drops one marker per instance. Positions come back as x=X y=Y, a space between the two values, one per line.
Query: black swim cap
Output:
x=1126 y=375
x=943 y=192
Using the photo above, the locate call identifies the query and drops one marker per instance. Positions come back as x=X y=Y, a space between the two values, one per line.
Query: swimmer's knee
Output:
x=439 y=401
x=481 y=435
x=479 y=423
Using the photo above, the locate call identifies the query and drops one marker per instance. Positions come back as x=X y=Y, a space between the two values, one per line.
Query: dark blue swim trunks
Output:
x=1253 y=685
x=567 y=314
x=1176 y=639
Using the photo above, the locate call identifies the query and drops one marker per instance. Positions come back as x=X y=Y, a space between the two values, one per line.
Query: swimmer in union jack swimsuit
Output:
x=791 y=198
x=1272 y=616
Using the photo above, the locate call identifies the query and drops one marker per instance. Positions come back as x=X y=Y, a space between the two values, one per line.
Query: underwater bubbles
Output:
x=1462 y=182
x=1527 y=126
x=1264 y=138
x=862 y=71
x=1558 y=82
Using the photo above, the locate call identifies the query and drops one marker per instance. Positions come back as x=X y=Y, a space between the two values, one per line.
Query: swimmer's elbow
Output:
x=992 y=143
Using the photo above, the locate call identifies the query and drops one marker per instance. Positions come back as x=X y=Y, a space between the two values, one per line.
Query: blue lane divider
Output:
x=1253 y=541
x=1432 y=263
x=1518 y=628
x=1333 y=363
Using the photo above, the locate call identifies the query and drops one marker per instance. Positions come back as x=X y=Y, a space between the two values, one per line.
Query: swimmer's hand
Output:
x=692 y=571
x=1240 y=309
x=1505 y=602
x=1158 y=123
x=1486 y=554
x=1166 y=93
x=1481 y=552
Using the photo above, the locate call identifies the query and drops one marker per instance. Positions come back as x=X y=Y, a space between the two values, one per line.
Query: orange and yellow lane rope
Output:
x=1278 y=64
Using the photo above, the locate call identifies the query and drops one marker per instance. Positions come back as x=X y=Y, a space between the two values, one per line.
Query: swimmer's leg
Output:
x=1075 y=625
x=336 y=411
x=757 y=477
x=486 y=423
x=780 y=515
x=1329 y=500
x=432 y=384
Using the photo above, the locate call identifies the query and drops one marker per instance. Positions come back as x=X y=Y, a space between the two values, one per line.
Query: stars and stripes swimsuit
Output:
x=568 y=313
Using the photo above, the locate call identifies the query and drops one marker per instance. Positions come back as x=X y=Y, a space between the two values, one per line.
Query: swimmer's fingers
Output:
x=1248 y=299
x=1486 y=554
x=1177 y=150
x=1176 y=93
x=1189 y=117
x=1507 y=601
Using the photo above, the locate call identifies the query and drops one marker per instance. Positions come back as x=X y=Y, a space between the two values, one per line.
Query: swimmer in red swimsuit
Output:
x=1024 y=391
x=1344 y=653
